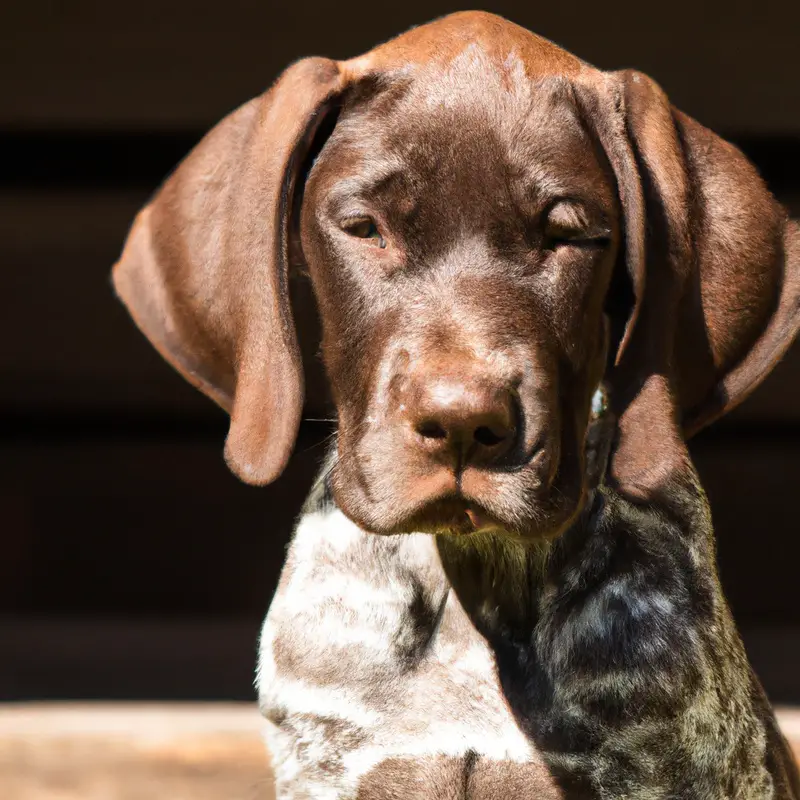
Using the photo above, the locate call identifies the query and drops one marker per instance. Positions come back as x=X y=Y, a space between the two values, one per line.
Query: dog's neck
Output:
x=630 y=589
x=499 y=578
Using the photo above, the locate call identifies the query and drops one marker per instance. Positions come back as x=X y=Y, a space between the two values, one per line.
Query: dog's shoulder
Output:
x=368 y=657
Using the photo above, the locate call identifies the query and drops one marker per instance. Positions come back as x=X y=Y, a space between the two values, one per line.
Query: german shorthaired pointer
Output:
x=535 y=281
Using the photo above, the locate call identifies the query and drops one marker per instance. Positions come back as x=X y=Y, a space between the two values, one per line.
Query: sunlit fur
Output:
x=605 y=664
x=586 y=650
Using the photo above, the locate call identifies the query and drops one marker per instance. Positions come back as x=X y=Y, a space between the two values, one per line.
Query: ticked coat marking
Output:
x=378 y=661
x=595 y=668
x=491 y=228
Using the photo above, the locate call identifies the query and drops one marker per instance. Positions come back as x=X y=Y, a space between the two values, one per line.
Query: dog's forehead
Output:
x=469 y=100
x=472 y=118
x=470 y=82
x=474 y=82
x=442 y=41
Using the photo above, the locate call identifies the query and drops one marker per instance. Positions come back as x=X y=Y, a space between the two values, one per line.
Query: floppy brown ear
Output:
x=712 y=258
x=204 y=269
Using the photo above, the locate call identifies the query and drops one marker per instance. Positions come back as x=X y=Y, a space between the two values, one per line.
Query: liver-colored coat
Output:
x=496 y=234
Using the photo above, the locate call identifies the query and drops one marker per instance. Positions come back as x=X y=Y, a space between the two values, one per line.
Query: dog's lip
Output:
x=454 y=513
x=479 y=518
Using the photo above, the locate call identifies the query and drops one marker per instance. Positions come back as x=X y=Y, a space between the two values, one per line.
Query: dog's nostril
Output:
x=487 y=437
x=431 y=430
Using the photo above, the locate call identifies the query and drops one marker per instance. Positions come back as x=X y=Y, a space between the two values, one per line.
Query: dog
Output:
x=535 y=282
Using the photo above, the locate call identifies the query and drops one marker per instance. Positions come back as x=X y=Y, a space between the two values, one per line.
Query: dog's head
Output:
x=492 y=228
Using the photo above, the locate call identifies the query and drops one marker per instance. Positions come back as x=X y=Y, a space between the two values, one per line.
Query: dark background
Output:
x=132 y=564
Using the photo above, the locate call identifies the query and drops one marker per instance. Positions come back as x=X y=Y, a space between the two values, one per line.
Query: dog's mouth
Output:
x=453 y=514
x=517 y=505
x=388 y=487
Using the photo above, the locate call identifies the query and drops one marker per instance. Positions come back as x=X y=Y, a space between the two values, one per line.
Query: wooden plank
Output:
x=213 y=657
x=751 y=482
x=137 y=752
x=156 y=524
x=147 y=526
x=133 y=752
x=185 y=64
x=67 y=344
x=133 y=657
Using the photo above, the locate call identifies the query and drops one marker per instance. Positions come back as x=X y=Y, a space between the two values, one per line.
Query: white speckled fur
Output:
x=344 y=602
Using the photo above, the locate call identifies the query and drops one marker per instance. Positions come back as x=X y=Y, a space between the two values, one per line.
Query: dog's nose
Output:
x=467 y=423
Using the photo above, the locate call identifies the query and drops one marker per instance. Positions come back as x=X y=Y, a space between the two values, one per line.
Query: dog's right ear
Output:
x=713 y=266
x=204 y=272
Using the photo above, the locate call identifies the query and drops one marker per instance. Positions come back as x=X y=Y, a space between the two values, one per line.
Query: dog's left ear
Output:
x=204 y=272
x=712 y=259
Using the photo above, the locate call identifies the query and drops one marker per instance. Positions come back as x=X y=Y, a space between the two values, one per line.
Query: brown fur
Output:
x=443 y=778
x=710 y=256
x=492 y=228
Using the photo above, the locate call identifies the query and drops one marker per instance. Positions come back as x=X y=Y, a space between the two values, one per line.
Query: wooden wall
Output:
x=117 y=513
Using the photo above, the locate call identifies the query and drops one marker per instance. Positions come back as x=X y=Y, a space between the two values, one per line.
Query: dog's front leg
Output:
x=652 y=694
x=348 y=630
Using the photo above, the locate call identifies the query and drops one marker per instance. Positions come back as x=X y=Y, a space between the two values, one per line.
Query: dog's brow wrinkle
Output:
x=362 y=185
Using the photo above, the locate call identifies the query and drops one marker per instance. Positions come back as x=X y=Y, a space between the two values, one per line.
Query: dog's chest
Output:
x=367 y=656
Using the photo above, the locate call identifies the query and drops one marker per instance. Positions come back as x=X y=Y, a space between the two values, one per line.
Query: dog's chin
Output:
x=535 y=502
x=453 y=514
x=457 y=517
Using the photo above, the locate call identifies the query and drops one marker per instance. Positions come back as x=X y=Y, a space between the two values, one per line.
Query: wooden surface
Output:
x=140 y=752
x=82 y=63
x=132 y=563
x=132 y=752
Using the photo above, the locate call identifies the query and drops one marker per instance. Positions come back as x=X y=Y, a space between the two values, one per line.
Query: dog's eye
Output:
x=567 y=225
x=365 y=229
x=572 y=238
